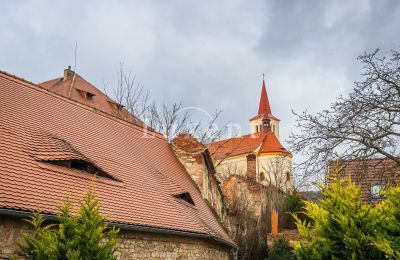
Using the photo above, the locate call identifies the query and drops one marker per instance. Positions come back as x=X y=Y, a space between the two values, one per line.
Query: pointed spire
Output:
x=264 y=107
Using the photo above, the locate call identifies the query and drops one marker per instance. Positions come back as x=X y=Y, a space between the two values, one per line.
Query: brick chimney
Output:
x=251 y=166
x=68 y=73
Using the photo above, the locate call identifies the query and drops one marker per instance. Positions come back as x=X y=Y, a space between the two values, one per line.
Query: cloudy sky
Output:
x=208 y=54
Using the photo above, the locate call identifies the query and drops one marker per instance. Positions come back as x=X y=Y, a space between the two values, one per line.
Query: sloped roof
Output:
x=261 y=142
x=38 y=125
x=74 y=87
x=366 y=172
x=264 y=108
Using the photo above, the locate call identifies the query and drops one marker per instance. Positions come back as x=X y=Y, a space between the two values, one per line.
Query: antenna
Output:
x=73 y=78
x=263 y=76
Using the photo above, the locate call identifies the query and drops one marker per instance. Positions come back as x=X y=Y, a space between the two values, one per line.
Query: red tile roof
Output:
x=261 y=142
x=74 y=87
x=38 y=125
x=264 y=108
x=367 y=172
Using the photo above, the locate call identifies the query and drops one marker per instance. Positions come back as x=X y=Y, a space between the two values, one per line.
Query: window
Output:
x=185 y=197
x=262 y=176
x=89 y=96
x=81 y=165
x=256 y=128
x=376 y=190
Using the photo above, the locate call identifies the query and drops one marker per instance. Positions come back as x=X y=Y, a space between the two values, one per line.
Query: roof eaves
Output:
x=132 y=227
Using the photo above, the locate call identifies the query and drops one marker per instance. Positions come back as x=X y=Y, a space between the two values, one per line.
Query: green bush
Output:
x=294 y=204
x=342 y=227
x=74 y=237
x=281 y=250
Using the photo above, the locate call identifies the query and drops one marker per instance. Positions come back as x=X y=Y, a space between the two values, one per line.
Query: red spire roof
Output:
x=264 y=107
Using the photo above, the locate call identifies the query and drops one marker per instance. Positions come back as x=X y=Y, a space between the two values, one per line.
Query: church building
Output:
x=258 y=155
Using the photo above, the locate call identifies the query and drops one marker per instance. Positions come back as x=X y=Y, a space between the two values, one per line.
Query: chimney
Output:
x=266 y=124
x=68 y=73
x=251 y=166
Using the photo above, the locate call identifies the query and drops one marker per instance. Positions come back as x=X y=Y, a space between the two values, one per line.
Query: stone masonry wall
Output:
x=131 y=244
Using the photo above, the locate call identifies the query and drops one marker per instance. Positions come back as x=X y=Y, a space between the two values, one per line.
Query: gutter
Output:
x=130 y=227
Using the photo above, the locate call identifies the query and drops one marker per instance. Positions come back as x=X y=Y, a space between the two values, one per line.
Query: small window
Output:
x=376 y=190
x=262 y=176
x=185 y=197
x=79 y=165
x=256 y=128
x=89 y=96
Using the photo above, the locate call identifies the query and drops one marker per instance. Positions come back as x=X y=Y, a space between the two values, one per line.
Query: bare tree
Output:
x=363 y=125
x=168 y=119
x=246 y=218
x=277 y=172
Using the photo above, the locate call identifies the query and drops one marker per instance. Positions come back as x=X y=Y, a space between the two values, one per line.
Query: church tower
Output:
x=264 y=112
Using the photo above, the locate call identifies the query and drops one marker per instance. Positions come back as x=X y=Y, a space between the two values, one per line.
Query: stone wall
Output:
x=151 y=246
x=131 y=244
x=198 y=163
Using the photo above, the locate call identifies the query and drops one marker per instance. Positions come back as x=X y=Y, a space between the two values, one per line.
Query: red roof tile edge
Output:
x=38 y=87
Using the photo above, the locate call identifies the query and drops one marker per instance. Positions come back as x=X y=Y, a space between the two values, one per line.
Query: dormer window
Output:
x=60 y=156
x=185 y=196
x=81 y=165
x=86 y=94
x=89 y=96
x=116 y=105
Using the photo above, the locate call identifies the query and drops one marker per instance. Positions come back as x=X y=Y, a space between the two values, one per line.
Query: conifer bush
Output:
x=281 y=250
x=84 y=236
x=342 y=227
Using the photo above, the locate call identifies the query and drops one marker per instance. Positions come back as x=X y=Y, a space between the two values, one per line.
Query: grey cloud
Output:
x=209 y=54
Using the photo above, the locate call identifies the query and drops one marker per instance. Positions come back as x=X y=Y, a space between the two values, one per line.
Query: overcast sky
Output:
x=209 y=54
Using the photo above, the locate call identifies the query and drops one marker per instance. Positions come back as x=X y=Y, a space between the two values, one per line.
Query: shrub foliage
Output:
x=342 y=227
x=84 y=236
x=281 y=250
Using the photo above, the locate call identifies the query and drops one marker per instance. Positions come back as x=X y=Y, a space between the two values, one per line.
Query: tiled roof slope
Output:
x=261 y=142
x=146 y=172
x=367 y=172
x=74 y=87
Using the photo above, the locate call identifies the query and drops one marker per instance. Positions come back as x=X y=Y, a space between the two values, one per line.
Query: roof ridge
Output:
x=37 y=87
x=237 y=137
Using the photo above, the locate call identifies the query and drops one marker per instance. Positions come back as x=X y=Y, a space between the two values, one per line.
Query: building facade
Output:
x=258 y=155
x=62 y=138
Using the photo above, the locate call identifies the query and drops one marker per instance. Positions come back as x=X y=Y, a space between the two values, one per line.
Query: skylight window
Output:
x=185 y=196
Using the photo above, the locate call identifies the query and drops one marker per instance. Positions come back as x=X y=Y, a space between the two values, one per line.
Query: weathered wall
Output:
x=131 y=245
x=151 y=246
x=198 y=163
x=270 y=169
x=276 y=169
